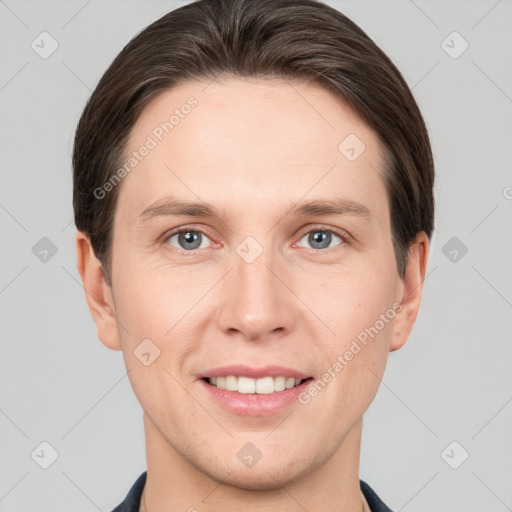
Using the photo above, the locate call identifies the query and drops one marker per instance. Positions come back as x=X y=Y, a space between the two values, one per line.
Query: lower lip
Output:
x=254 y=404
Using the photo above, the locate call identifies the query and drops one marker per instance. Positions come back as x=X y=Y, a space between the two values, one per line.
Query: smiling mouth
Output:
x=248 y=385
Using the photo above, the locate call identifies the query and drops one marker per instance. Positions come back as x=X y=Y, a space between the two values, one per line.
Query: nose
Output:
x=255 y=303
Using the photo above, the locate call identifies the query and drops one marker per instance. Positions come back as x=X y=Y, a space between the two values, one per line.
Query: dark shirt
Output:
x=132 y=501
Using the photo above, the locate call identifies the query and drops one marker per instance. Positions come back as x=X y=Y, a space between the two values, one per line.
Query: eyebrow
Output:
x=170 y=207
x=330 y=207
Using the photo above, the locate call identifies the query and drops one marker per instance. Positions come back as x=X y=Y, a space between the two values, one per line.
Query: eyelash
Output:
x=343 y=235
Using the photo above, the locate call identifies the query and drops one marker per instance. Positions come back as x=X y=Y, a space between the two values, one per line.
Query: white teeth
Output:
x=247 y=385
x=231 y=384
x=279 y=383
x=265 y=386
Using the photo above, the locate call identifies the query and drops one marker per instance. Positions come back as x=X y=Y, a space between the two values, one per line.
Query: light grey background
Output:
x=451 y=382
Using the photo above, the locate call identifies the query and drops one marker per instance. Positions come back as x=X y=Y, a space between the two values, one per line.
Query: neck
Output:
x=175 y=483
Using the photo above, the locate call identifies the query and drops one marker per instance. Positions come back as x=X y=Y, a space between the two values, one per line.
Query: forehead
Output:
x=252 y=140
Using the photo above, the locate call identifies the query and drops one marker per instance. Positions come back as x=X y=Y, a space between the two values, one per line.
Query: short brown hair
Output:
x=301 y=40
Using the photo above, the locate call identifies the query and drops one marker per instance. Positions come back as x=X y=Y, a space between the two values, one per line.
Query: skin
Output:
x=253 y=149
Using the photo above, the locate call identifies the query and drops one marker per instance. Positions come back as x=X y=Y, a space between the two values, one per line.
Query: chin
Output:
x=265 y=475
x=260 y=480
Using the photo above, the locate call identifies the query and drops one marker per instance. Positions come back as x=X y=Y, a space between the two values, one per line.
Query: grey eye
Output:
x=189 y=240
x=320 y=238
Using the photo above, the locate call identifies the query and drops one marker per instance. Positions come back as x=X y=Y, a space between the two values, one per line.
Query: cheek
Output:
x=161 y=314
x=346 y=303
x=356 y=312
x=151 y=299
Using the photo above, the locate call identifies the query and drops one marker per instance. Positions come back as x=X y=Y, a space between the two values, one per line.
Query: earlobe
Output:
x=97 y=292
x=412 y=289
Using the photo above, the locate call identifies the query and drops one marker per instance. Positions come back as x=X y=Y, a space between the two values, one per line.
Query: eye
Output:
x=321 y=238
x=188 y=239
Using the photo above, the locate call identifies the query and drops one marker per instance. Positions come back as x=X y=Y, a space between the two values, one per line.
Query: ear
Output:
x=412 y=286
x=97 y=292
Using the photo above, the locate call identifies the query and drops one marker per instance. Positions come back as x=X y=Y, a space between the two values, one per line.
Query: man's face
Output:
x=261 y=283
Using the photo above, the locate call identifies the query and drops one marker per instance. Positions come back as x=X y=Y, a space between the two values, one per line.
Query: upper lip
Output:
x=255 y=373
